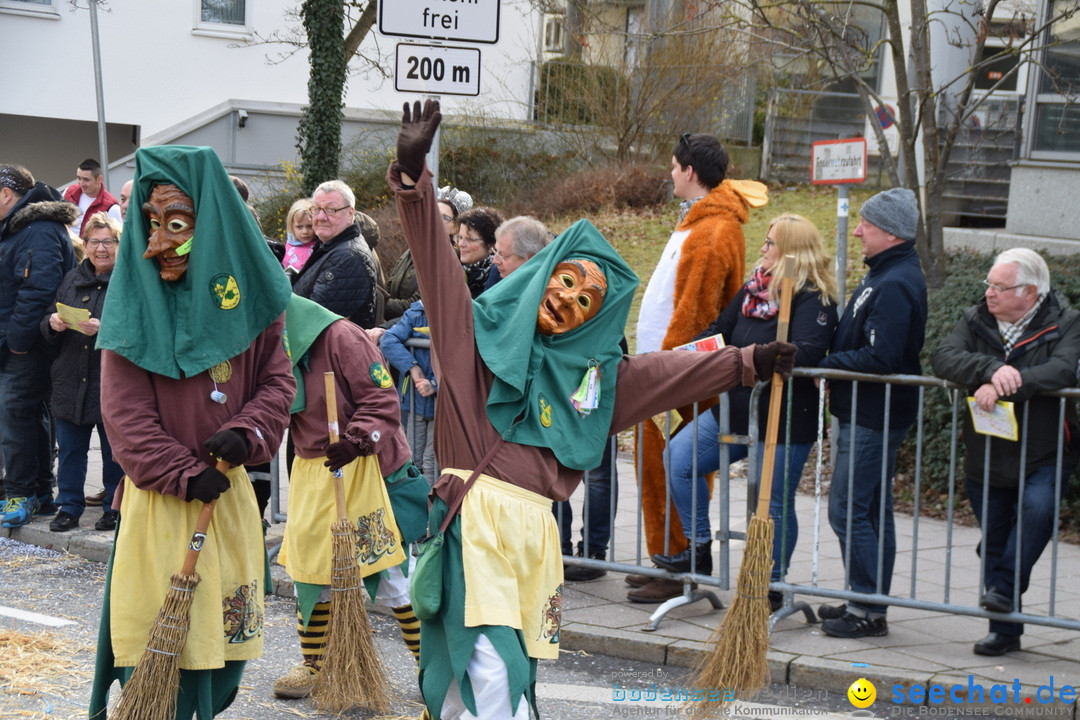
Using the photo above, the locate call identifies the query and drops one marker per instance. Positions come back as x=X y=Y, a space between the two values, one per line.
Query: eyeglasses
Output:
x=998 y=289
x=769 y=243
x=685 y=140
x=328 y=211
x=99 y=243
x=503 y=258
x=447 y=218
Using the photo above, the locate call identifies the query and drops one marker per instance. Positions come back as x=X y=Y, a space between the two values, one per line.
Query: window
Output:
x=224 y=12
x=1057 y=116
x=33 y=8
x=553 y=34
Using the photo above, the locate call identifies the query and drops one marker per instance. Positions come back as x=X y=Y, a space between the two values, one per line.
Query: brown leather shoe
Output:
x=96 y=499
x=657 y=590
x=635 y=580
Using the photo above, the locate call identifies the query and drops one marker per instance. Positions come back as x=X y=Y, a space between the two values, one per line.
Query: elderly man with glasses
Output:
x=341 y=274
x=1020 y=340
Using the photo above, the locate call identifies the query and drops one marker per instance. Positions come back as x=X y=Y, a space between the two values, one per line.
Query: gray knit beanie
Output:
x=895 y=211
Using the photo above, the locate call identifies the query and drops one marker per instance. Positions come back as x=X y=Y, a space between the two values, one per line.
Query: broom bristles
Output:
x=741 y=642
x=151 y=692
x=352 y=674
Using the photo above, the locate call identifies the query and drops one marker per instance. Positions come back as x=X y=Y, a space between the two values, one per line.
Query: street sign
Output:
x=437 y=69
x=457 y=20
x=835 y=162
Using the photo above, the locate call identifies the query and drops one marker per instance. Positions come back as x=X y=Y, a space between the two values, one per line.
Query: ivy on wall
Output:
x=319 y=132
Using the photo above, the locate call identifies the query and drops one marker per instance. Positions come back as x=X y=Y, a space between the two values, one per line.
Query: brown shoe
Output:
x=95 y=499
x=657 y=590
x=635 y=580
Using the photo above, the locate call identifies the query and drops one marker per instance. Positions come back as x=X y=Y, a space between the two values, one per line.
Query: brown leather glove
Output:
x=778 y=357
x=228 y=445
x=417 y=133
x=207 y=485
x=340 y=453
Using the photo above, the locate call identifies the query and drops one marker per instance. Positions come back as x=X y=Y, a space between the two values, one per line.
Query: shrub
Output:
x=620 y=186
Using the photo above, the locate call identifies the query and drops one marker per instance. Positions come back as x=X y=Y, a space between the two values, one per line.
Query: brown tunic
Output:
x=157 y=425
x=373 y=412
x=646 y=384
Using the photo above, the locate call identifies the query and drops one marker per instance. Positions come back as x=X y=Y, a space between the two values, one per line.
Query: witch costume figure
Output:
x=194 y=370
x=533 y=382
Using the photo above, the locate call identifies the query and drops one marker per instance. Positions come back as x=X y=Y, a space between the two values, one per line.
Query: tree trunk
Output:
x=319 y=132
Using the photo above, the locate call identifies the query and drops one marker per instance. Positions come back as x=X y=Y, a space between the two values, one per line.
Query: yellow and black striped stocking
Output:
x=313 y=637
x=410 y=629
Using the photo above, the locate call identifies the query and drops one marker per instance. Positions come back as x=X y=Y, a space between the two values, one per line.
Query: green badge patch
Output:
x=545 y=410
x=380 y=376
x=224 y=291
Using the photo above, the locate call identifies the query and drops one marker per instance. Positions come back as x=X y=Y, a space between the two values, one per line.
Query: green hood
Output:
x=233 y=289
x=305 y=321
x=535 y=375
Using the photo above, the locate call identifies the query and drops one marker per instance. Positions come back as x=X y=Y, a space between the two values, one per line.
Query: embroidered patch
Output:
x=822 y=318
x=222 y=372
x=224 y=291
x=551 y=620
x=545 y=410
x=380 y=376
x=373 y=538
x=242 y=615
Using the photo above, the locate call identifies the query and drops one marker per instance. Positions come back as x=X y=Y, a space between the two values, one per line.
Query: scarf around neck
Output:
x=535 y=374
x=757 y=302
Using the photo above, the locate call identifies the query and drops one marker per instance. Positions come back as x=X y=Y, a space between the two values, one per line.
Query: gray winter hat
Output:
x=457 y=199
x=895 y=211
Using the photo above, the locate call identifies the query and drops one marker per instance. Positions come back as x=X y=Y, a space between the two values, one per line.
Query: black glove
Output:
x=778 y=357
x=228 y=445
x=340 y=453
x=417 y=132
x=207 y=485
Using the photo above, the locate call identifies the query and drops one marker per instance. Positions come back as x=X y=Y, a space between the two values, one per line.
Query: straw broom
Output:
x=351 y=675
x=741 y=641
x=151 y=692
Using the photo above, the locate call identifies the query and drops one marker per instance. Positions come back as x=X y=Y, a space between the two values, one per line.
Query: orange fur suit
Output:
x=707 y=253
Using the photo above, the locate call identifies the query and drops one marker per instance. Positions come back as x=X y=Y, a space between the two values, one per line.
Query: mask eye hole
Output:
x=154 y=224
x=177 y=226
x=567 y=281
x=585 y=302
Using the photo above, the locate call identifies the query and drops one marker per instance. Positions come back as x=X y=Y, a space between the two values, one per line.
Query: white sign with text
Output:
x=838 y=161
x=437 y=69
x=474 y=21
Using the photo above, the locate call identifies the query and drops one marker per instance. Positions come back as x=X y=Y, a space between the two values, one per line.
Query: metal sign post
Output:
x=840 y=163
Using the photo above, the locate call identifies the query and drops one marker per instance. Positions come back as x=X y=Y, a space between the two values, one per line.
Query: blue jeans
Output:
x=685 y=485
x=1000 y=534
x=25 y=431
x=598 y=509
x=872 y=531
x=74 y=445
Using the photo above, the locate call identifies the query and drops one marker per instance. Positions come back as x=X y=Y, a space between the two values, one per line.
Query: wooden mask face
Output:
x=574 y=295
x=171 y=216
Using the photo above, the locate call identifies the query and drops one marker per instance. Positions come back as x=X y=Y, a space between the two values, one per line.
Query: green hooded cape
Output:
x=233 y=288
x=305 y=321
x=535 y=375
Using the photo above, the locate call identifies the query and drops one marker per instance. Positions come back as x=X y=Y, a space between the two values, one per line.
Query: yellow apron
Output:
x=308 y=546
x=227 y=610
x=512 y=562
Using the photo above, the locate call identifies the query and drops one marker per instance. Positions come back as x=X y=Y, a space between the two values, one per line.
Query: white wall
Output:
x=157 y=72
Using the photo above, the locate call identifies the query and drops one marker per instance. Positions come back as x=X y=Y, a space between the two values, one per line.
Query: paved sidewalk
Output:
x=922 y=647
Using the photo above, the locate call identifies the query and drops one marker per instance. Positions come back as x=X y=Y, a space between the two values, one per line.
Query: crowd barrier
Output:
x=730 y=530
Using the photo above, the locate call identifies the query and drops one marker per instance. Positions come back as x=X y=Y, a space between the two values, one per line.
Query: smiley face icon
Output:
x=862 y=693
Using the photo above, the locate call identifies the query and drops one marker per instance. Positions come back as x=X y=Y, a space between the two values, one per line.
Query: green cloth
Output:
x=305 y=321
x=533 y=370
x=233 y=288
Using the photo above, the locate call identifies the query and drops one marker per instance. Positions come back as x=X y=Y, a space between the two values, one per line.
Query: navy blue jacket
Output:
x=402 y=358
x=35 y=254
x=811 y=329
x=881 y=332
x=340 y=275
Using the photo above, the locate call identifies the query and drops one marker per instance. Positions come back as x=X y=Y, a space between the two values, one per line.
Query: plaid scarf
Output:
x=1012 y=332
x=684 y=207
x=756 y=302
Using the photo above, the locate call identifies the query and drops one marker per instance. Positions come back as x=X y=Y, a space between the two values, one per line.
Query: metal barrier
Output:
x=911 y=598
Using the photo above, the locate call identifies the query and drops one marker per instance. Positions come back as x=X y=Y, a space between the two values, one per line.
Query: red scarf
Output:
x=756 y=302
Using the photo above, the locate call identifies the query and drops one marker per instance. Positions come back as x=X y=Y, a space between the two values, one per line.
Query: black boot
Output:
x=680 y=562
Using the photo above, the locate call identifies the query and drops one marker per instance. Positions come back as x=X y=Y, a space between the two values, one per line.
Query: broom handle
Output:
x=332 y=424
x=772 y=427
x=201 y=524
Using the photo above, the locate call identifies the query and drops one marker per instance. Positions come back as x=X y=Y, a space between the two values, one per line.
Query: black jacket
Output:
x=811 y=329
x=881 y=332
x=76 y=371
x=340 y=275
x=1046 y=357
x=35 y=254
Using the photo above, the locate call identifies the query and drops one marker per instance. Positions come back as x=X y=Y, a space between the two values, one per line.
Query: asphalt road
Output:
x=65 y=592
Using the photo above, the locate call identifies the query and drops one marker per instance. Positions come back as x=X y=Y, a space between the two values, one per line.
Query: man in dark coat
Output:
x=35 y=254
x=1020 y=340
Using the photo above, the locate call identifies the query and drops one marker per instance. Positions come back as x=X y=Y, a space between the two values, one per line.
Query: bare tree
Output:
x=932 y=111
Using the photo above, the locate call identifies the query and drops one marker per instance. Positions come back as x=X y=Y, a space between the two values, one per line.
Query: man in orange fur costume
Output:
x=700 y=271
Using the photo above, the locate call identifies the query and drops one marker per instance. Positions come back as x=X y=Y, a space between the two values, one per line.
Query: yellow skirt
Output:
x=512 y=562
x=308 y=546
x=227 y=610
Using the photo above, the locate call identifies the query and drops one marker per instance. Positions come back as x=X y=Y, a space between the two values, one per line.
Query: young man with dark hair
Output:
x=701 y=269
x=89 y=193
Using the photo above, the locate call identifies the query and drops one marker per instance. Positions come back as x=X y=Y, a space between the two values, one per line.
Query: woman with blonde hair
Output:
x=750 y=318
